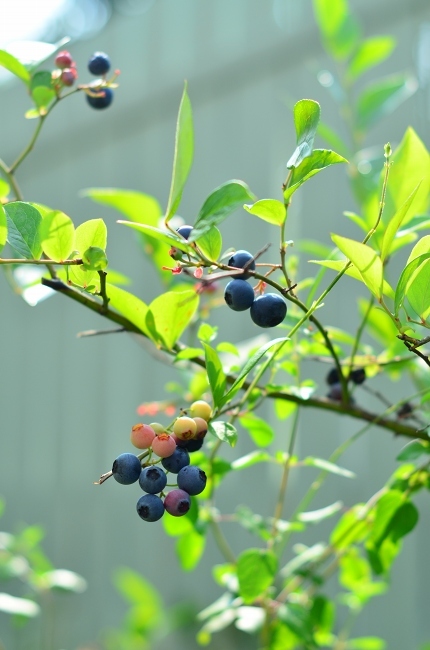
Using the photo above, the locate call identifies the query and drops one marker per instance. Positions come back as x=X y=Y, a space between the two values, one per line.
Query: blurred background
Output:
x=67 y=403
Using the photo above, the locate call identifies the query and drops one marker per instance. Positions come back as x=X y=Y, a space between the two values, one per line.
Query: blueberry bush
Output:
x=276 y=588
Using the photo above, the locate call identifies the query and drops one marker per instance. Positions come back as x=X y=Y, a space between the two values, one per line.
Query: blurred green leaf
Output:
x=224 y=200
x=18 y=606
x=190 y=547
x=183 y=156
x=269 y=210
x=14 y=66
x=32 y=53
x=256 y=569
x=385 y=510
x=261 y=433
x=42 y=97
x=251 y=363
x=327 y=466
x=211 y=244
x=216 y=376
x=366 y=643
x=339 y=29
x=138 y=592
x=57 y=235
x=313 y=164
x=351 y=528
x=413 y=450
x=254 y=457
x=369 y=53
x=366 y=261
x=333 y=139
x=224 y=431
x=382 y=97
x=160 y=235
x=129 y=306
x=23 y=229
x=306 y=117
x=315 y=516
x=3 y=227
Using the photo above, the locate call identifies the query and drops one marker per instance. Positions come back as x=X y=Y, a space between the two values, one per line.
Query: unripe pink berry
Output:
x=177 y=502
x=63 y=59
x=202 y=428
x=200 y=409
x=142 y=436
x=68 y=76
x=185 y=428
x=163 y=445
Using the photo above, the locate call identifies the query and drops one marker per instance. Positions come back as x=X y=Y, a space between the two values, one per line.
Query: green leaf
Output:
x=414 y=450
x=183 y=156
x=190 y=548
x=224 y=431
x=256 y=569
x=313 y=164
x=14 y=66
x=57 y=235
x=169 y=314
x=327 y=466
x=23 y=229
x=250 y=364
x=215 y=372
x=385 y=510
x=210 y=244
x=251 y=459
x=261 y=433
x=395 y=222
x=418 y=291
x=42 y=97
x=206 y=333
x=129 y=306
x=366 y=261
x=337 y=265
x=32 y=53
x=91 y=233
x=333 y=139
x=315 y=516
x=306 y=117
x=339 y=29
x=160 y=235
x=407 y=278
x=138 y=592
x=3 y=227
x=269 y=210
x=369 y=53
x=41 y=78
x=382 y=97
x=421 y=248
x=350 y=529
x=224 y=200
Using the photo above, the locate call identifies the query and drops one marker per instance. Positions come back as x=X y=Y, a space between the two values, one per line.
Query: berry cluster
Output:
x=357 y=376
x=99 y=93
x=267 y=310
x=172 y=445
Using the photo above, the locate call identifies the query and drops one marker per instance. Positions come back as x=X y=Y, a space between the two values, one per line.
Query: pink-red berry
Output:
x=163 y=445
x=63 y=59
x=142 y=436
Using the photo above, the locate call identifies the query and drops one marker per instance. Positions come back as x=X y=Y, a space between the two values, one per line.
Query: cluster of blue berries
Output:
x=99 y=96
x=357 y=376
x=267 y=310
x=172 y=445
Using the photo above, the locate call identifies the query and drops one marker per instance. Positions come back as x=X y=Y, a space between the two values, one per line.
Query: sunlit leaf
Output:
x=366 y=261
x=210 y=244
x=183 y=156
x=339 y=29
x=269 y=210
x=306 y=118
x=313 y=164
x=129 y=306
x=260 y=431
x=32 y=53
x=57 y=235
x=12 y=64
x=224 y=431
x=224 y=200
x=394 y=224
x=418 y=291
x=3 y=227
x=370 y=52
x=215 y=372
x=18 y=606
x=327 y=466
x=407 y=278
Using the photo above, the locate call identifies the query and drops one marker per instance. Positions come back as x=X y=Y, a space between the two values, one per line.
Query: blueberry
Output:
x=152 y=479
x=103 y=101
x=239 y=295
x=239 y=259
x=150 y=507
x=193 y=445
x=177 y=502
x=179 y=459
x=192 y=479
x=184 y=231
x=126 y=469
x=335 y=392
x=99 y=64
x=358 y=376
x=332 y=377
x=268 y=310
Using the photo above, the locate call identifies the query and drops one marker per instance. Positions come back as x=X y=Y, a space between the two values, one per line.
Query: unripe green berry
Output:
x=158 y=428
x=200 y=409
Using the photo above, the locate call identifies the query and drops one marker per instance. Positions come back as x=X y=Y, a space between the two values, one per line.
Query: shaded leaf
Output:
x=23 y=229
x=418 y=291
x=256 y=569
x=306 y=117
x=224 y=431
x=42 y=97
x=269 y=210
x=183 y=156
x=224 y=200
x=215 y=372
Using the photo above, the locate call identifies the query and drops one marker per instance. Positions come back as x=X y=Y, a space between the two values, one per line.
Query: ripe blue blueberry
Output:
x=192 y=479
x=184 y=231
x=193 y=445
x=177 y=502
x=268 y=310
x=239 y=259
x=103 y=101
x=150 y=507
x=152 y=479
x=99 y=64
x=239 y=295
x=358 y=376
x=332 y=377
x=179 y=459
x=126 y=469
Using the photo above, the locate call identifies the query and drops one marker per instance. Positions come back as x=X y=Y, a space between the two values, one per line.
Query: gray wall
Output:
x=67 y=404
